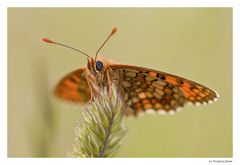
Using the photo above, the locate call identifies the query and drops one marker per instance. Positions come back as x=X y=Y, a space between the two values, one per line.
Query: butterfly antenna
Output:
x=56 y=43
x=112 y=32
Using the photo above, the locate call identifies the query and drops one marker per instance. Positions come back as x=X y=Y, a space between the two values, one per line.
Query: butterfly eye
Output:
x=99 y=65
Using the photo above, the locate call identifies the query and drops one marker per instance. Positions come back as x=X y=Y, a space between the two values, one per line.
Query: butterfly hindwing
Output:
x=74 y=87
x=145 y=89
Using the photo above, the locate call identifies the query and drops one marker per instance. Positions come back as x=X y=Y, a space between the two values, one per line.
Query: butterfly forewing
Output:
x=74 y=87
x=143 y=89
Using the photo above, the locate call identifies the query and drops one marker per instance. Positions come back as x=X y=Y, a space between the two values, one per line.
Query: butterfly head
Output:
x=97 y=66
x=97 y=69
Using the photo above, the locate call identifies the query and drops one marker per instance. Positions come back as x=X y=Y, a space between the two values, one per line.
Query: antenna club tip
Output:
x=48 y=40
x=113 y=30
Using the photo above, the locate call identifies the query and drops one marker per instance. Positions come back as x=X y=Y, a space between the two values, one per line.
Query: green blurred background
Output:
x=195 y=43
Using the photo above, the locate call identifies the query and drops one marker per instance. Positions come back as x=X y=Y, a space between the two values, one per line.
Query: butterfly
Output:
x=141 y=89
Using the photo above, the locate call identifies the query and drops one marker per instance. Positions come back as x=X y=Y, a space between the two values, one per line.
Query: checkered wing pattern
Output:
x=147 y=90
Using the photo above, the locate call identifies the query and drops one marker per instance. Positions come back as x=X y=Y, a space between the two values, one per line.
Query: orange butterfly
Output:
x=141 y=89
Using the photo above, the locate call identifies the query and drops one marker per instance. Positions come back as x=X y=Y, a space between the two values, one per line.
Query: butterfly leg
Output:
x=90 y=87
x=109 y=84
